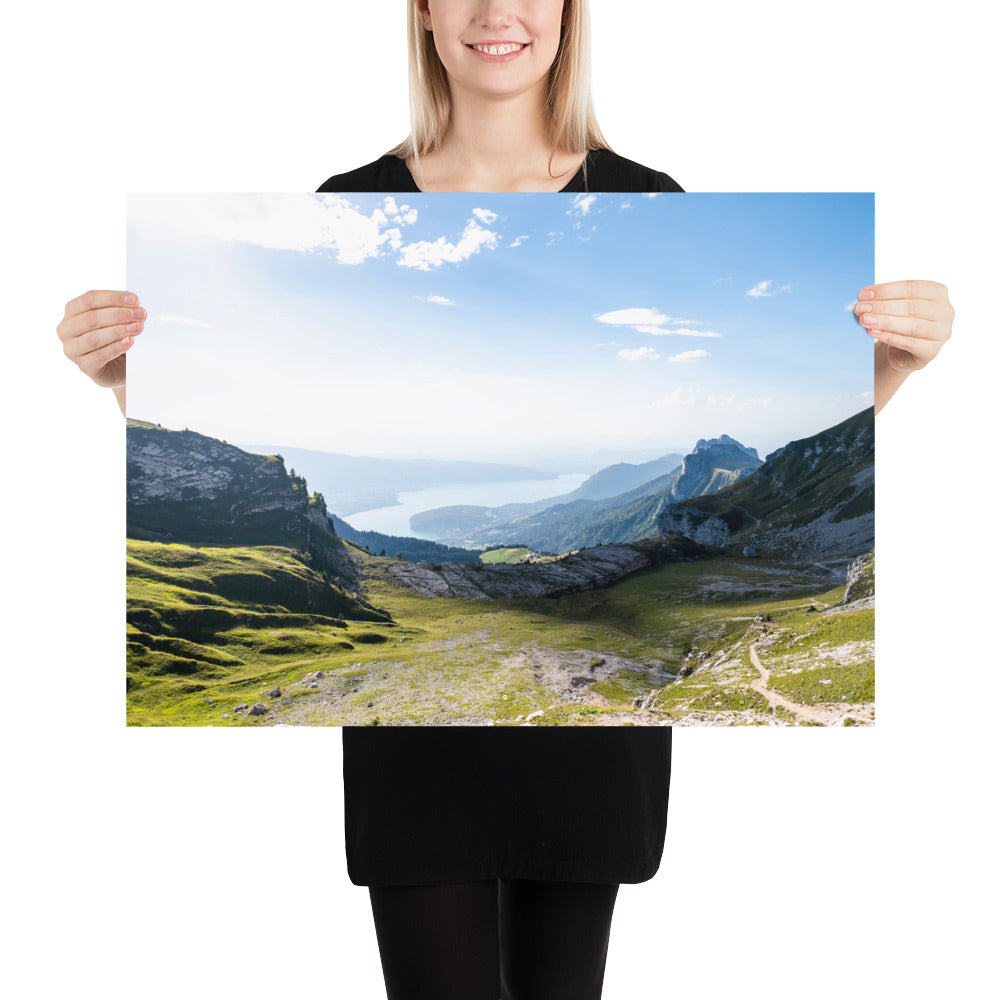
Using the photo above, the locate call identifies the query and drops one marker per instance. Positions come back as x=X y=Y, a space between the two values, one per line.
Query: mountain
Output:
x=187 y=488
x=461 y=522
x=613 y=480
x=713 y=465
x=576 y=523
x=813 y=499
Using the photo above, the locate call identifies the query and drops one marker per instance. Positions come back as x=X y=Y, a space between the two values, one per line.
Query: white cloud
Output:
x=277 y=221
x=639 y=354
x=651 y=321
x=181 y=320
x=637 y=316
x=518 y=241
x=394 y=238
x=440 y=300
x=763 y=290
x=650 y=194
x=427 y=255
x=581 y=204
x=553 y=238
x=685 y=356
x=625 y=204
x=607 y=343
x=485 y=216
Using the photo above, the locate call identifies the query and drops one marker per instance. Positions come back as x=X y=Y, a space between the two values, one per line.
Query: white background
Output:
x=209 y=863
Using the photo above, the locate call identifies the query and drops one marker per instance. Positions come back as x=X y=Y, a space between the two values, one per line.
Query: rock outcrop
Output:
x=587 y=569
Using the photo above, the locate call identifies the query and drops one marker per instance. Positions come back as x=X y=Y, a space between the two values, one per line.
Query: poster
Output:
x=595 y=459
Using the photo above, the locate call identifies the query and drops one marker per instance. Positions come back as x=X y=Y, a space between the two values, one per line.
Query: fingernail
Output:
x=129 y=299
x=133 y=328
x=866 y=293
x=127 y=342
x=862 y=307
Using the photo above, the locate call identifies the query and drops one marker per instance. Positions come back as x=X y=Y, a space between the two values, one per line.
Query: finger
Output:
x=917 y=346
x=93 y=362
x=913 y=289
x=931 y=309
x=97 y=299
x=907 y=325
x=76 y=328
x=86 y=344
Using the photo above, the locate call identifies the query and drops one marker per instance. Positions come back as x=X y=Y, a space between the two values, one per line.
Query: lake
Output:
x=395 y=520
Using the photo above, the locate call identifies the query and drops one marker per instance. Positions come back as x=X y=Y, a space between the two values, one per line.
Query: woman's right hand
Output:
x=96 y=331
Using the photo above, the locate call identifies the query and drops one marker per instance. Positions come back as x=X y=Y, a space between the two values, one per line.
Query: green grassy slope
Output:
x=217 y=620
x=478 y=662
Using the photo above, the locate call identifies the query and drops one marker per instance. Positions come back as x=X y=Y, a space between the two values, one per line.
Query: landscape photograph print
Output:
x=500 y=460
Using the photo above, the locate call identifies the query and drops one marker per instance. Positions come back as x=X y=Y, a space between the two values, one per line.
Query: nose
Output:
x=496 y=14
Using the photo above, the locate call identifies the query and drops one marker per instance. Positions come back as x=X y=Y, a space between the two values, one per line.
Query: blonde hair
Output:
x=572 y=123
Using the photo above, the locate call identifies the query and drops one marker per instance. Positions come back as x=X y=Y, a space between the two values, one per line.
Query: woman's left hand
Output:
x=912 y=318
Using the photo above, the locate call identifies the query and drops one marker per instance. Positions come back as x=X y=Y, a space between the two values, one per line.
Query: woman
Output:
x=494 y=856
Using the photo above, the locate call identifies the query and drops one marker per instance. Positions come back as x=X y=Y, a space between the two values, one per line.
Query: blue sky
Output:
x=500 y=327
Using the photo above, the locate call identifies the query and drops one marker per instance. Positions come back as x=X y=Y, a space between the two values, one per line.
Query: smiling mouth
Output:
x=503 y=49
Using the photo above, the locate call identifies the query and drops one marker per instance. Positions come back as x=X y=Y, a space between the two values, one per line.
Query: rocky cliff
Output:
x=189 y=487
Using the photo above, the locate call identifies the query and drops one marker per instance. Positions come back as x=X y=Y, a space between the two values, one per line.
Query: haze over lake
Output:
x=395 y=520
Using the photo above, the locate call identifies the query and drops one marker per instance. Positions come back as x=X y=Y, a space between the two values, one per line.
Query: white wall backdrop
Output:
x=208 y=863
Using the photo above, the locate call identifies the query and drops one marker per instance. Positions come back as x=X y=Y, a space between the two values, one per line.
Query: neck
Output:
x=495 y=143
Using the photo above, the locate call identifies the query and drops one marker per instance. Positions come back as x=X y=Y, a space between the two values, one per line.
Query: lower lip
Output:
x=506 y=57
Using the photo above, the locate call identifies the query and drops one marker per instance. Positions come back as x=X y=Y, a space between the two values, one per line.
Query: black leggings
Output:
x=515 y=939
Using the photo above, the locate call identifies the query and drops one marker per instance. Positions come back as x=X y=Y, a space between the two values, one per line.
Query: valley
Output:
x=667 y=645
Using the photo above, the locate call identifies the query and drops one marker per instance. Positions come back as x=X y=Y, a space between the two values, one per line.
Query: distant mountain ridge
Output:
x=576 y=523
x=613 y=480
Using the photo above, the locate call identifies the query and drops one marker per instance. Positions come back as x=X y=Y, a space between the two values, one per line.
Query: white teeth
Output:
x=499 y=50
